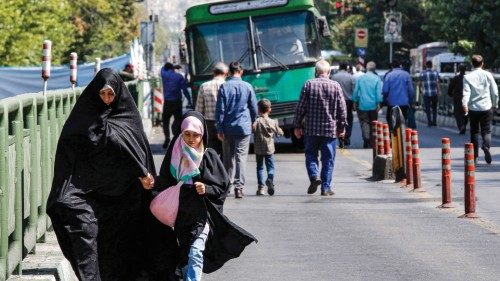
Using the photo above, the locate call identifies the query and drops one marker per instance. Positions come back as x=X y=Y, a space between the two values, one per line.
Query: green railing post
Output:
x=15 y=259
x=46 y=168
x=30 y=231
x=4 y=220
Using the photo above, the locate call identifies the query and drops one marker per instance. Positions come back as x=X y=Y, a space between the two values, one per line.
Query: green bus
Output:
x=276 y=41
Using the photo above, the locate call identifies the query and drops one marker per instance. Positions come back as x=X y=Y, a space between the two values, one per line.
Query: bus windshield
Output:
x=281 y=39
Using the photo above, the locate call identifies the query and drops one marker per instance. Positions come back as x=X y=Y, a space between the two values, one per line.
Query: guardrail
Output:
x=445 y=102
x=30 y=125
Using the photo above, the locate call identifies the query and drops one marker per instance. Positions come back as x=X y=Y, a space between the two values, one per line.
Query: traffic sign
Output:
x=361 y=52
x=361 y=37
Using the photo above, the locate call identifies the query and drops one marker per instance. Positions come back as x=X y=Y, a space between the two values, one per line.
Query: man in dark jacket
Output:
x=456 y=91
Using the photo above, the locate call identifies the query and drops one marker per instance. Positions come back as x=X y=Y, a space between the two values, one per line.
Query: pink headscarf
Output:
x=185 y=160
x=192 y=124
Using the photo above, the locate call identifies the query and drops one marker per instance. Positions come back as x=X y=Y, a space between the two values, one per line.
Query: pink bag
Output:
x=166 y=204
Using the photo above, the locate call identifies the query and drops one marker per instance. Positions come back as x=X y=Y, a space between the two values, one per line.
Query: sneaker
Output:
x=270 y=187
x=314 y=186
x=487 y=155
x=260 y=191
x=328 y=192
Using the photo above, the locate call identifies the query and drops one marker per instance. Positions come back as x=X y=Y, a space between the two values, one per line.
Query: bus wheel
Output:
x=297 y=143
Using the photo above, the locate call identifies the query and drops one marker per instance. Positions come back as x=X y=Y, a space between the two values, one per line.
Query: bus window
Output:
x=286 y=39
x=224 y=41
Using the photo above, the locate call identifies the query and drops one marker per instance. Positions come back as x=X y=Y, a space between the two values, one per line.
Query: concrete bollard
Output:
x=417 y=183
x=446 y=173
x=469 y=183
x=387 y=140
x=409 y=158
x=97 y=65
x=73 y=57
x=380 y=139
x=374 y=139
x=46 y=61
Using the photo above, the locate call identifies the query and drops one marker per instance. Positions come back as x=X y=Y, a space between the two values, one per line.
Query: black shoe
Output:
x=166 y=143
x=328 y=192
x=313 y=187
x=487 y=155
x=341 y=144
x=270 y=187
x=238 y=193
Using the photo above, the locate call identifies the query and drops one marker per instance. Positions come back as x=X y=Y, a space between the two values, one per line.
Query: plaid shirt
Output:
x=322 y=106
x=207 y=98
x=429 y=79
x=265 y=129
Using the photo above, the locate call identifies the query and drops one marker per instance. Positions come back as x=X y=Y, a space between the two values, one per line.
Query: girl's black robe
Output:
x=97 y=205
x=225 y=240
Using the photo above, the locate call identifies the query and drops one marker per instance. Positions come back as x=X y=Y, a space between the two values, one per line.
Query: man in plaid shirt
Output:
x=321 y=118
x=429 y=83
x=207 y=99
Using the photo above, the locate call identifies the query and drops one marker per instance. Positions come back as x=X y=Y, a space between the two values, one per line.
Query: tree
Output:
x=24 y=24
x=104 y=28
x=471 y=26
x=92 y=28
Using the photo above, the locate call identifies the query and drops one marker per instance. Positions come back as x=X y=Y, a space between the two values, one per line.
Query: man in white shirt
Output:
x=480 y=100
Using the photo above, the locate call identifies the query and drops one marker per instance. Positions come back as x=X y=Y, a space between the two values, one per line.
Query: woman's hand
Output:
x=200 y=187
x=147 y=181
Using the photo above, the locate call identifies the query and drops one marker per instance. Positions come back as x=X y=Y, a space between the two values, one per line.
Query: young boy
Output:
x=265 y=129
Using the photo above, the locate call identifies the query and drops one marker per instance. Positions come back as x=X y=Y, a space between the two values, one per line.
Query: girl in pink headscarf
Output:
x=207 y=238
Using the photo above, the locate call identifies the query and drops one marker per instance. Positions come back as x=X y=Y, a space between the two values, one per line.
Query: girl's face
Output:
x=192 y=139
x=107 y=95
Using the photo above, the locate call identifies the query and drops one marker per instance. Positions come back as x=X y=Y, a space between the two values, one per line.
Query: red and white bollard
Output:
x=446 y=173
x=387 y=140
x=380 y=139
x=469 y=183
x=73 y=58
x=409 y=158
x=97 y=65
x=374 y=138
x=417 y=183
x=46 y=59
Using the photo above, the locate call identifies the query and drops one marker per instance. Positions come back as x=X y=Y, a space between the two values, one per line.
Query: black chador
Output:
x=225 y=240
x=97 y=204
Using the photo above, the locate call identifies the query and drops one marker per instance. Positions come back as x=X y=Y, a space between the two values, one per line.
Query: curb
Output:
x=47 y=263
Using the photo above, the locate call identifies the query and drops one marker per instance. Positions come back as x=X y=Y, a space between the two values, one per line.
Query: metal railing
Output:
x=445 y=102
x=30 y=125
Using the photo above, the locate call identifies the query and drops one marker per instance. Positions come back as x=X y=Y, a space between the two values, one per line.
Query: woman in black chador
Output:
x=207 y=238
x=97 y=204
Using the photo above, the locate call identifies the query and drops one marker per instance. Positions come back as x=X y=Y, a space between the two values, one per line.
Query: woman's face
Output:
x=192 y=139
x=107 y=95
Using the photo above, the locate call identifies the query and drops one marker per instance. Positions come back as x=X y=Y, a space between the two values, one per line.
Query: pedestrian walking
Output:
x=480 y=101
x=397 y=90
x=456 y=91
x=367 y=98
x=235 y=112
x=174 y=85
x=320 y=117
x=265 y=129
x=207 y=99
x=347 y=83
x=429 y=83
x=207 y=238
x=97 y=203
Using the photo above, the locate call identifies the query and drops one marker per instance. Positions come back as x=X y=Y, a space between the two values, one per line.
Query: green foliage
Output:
x=370 y=14
x=471 y=25
x=92 y=28
x=24 y=24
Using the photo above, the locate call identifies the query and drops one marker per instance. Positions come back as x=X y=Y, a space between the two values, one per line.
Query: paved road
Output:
x=368 y=230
